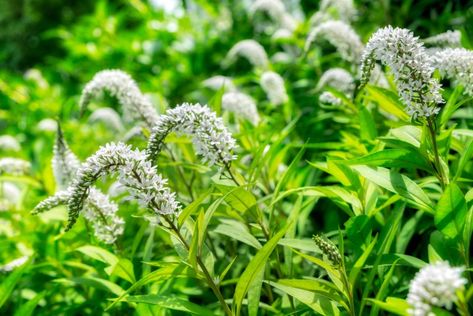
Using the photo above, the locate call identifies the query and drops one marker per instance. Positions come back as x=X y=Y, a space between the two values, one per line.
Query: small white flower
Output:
x=337 y=78
x=447 y=39
x=410 y=65
x=12 y=265
x=457 y=65
x=121 y=86
x=343 y=10
x=47 y=125
x=249 y=49
x=276 y=11
x=14 y=166
x=210 y=137
x=328 y=98
x=242 y=105
x=217 y=82
x=281 y=58
x=273 y=84
x=434 y=285
x=9 y=143
x=340 y=35
x=109 y=117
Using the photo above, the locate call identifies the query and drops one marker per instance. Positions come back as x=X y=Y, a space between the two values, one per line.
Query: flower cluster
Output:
x=217 y=82
x=276 y=11
x=328 y=249
x=135 y=172
x=329 y=98
x=410 y=65
x=109 y=117
x=210 y=137
x=9 y=143
x=273 y=84
x=64 y=163
x=434 y=285
x=456 y=64
x=14 y=166
x=446 y=39
x=337 y=78
x=121 y=86
x=249 y=49
x=12 y=265
x=340 y=35
x=242 y=105
x=343 y=10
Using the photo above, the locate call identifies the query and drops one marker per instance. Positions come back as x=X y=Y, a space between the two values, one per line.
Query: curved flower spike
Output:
x=249 y=49
x=64 y=163
x=410 y=65
x=276 y=11
x=210 y=136
x=273 y=84
x=457 y=65
x=340 y=35
x=135 y=172
x=121 y=86
x=447 y=39
x=337 y=78
x=14 y=166
x=242 y=105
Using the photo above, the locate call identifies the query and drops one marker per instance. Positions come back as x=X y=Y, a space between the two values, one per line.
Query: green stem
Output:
x=202 y=266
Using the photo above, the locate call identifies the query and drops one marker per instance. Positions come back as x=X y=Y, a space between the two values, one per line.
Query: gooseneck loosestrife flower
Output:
x=121 y=86
x=343 y=10
x=337 y=78
x=210 y=137
x=276 y=10
x=273 y=84
x=99 y=210
x=447 y=39
x=407 y=59
x=249 y=49
x=434 y=285
x=456 y=64
x=14 y=166
x=340 y=35
x=217 y=82
x=241 y=105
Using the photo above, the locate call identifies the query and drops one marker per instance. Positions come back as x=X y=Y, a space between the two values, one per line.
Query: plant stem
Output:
x=202 y=266
x=438 y=166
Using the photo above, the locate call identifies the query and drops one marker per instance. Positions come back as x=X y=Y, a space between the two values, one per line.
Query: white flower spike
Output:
x=456 y=64
x=273 y=84
x=242 y=105
x=249 y=49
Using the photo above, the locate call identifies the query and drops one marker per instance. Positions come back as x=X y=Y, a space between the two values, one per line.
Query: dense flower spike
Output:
x=328 y=98
x=337 y=78
x=242 y=105
x=447 y=39
x=343 y=10
x=249 y=49
x=328 y=249
x=135 y=172
x=14 y=166
x=58 y=199
x=273 y=84
x=9 y=143
x=411 y=67
x=456 y=64
x=434 y=285
x=47 y=125
x=340 y=35
x=276 y=11
x=121 y=86
x=12 y=265
x=210 y=136
x=217 y=82
x=109 y=117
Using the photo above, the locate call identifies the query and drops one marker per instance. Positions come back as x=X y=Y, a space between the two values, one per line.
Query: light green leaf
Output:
x=393 y=305
x=171 y=302
x=451 y=212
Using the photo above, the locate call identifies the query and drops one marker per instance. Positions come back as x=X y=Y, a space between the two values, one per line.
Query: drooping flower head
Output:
x=411 y=66
x=340 y=35
x=64 y=163
x=276 y=11
x=456 y=64
x=14 y=166
x=210 y=137
x=47 y=125
x=249 y=49
x=242 y=105
x=121 y=86
x=434 y=285
x=343 y=10
x=217 y=82
x=109 y=117
x=337 y=78
x=329 y=98
x=9 y=143
x=273 y=84
x=134 y=171
x=447 y=39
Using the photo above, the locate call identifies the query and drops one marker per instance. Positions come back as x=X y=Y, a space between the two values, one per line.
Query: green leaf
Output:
x=99 y=254
x=9 y=283
x=123 y=268
x=28 y=308
x=388 y=101
x=393 y=305
x=451 y=212
x=171 y=302
x=399 y=184
x=395 y=158
x=317 y=302
x=465 y=157
x=97 y=283
x=192 y=208
x=367 y=124
x=238 y=231
x=254 y=268
x=356 y=269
